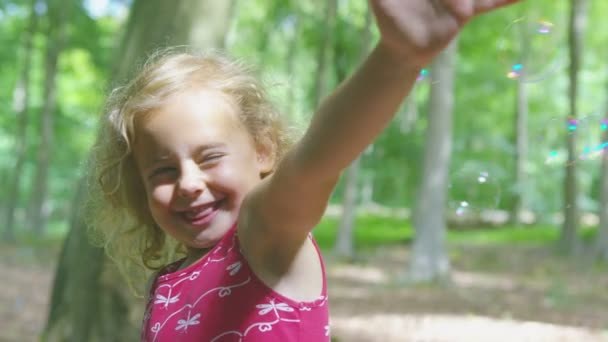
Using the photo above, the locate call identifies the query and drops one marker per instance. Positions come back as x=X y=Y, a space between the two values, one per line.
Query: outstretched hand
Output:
x=417 y=30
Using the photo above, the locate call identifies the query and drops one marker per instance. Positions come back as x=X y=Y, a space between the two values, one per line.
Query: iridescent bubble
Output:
x=423 y=75
x=471 y=192
x=551 y=141
x=595 y=143
x=530 y=49
x=586 y=131
x=544 y=27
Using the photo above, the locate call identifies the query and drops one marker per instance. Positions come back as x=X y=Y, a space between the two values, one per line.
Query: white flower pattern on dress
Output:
x=185 y=323
x=160 y=299
x=224 y=291
x=265 y=322
x=266 y=308
x=234 y=268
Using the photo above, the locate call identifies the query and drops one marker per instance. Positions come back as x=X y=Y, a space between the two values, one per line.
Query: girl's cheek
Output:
x=161 y=194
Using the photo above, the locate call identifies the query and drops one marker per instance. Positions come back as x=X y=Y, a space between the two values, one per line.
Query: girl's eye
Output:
x=163 y=171
x=211 y=158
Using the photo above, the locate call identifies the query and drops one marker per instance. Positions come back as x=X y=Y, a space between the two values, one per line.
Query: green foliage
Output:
x=282 y=38
x=83 y=69
x=375 y=231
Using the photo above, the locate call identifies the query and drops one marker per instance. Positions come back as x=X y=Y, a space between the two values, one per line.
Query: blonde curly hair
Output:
x=117 y=215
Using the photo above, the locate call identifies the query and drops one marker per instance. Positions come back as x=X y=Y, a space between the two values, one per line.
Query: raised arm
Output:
x=413 y=32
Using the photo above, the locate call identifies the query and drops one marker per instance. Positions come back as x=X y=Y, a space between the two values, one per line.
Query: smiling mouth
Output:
x=202 y=214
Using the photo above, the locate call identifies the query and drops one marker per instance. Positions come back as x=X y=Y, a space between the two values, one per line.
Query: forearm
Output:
x=350 y=118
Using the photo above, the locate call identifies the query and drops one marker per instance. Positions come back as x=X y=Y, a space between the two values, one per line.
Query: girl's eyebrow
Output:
x=209 y=146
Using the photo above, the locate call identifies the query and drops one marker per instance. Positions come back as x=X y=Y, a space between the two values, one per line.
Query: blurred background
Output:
x=480 y=213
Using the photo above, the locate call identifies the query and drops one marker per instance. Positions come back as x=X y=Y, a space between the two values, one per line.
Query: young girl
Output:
x=192 y=149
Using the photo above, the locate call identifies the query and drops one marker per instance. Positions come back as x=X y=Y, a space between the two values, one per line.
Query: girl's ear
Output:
x=266 y=159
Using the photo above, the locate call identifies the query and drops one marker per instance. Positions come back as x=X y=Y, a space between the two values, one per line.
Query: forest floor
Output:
x=496 y=293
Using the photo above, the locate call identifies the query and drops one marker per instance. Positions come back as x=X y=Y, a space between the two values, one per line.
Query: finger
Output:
x=483 y=6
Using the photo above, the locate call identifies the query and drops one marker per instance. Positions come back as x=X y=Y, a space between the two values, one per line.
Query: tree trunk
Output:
x=21 y=97
x=521 y=151
x=324 y=49
x=86 y=306
x=77 y=296
x=410 y=113
x=55 y=43
x=429 y=260
x=367 y=193
x=202 y=24
x=602 y=240
x=345 y=240
x=521 y=132
x=568 y=241
x=291 y=61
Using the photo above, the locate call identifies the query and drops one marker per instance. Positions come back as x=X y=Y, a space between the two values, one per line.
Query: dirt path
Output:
x=521 y=294
x=514 y=294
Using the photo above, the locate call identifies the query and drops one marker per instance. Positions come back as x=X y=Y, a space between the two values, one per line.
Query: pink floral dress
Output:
x=220 y=299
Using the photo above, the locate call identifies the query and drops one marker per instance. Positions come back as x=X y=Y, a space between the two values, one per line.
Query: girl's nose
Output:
x=191 y=185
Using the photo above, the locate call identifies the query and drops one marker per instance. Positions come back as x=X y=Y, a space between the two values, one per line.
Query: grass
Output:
x=374 y=231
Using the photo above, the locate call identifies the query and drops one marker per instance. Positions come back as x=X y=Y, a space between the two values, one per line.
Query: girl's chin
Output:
x=211 y=235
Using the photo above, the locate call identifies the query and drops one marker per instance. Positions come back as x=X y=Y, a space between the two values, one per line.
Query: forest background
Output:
x=492 y=175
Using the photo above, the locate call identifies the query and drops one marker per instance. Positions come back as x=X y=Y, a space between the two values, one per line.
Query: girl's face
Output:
x=197 y=162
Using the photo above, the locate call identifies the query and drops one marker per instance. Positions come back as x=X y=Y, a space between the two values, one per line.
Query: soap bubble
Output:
x=530 y=49
x=586 y=130
x=471 y=191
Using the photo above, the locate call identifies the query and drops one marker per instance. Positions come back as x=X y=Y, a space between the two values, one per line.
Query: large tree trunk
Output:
x=345 y=240
x=155 y=24
x=602 y=240
x=77 y=297
x=21 y=97
x=86 y=306
x=55 y=43
x=429 y=260
x=568 y=241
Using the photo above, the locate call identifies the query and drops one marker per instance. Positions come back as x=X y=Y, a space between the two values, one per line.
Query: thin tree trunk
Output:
x=602 y=240
x=291 y=61
x=410 y=113
x=568 y=241
x=345 y=240
x=521 y=133
x=345 y=247
x=21 y=97
x=429 y=260
x=55 y=43
x=324 y=49
x=521 y=151
x=367 y=193
x=86 y=306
